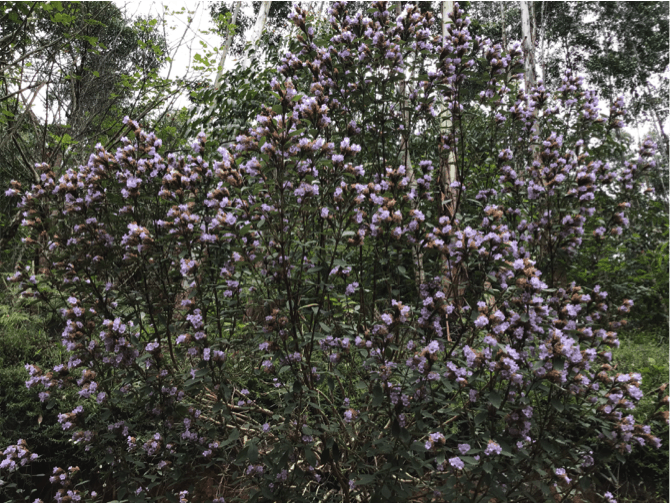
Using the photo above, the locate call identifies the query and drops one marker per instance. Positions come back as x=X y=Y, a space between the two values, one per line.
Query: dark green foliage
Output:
x=225 y=112
x=276 y=26
x=70 y=72
x=24 y=338
x=644 y=477
x=629 y=46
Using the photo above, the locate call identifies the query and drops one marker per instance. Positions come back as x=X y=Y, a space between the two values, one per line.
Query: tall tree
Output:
x=271 y=16
x=69 y=72
x=229 y=41
x=528 y=44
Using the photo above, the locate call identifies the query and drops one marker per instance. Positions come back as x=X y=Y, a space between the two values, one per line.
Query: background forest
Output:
x=71 y=74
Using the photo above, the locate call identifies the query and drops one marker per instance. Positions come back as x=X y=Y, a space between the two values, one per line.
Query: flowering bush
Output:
x=359 y=299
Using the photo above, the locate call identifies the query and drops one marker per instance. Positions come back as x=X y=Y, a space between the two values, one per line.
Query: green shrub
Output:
x=25 y=338
x=644 y=475
x=355 y=301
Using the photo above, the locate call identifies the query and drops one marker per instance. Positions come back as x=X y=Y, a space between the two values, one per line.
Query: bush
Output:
x=644 y=475
x=351 y=304
x=24 y=337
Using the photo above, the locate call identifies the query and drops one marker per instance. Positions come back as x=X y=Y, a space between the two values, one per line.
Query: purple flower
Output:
x=561 y=472
x=464 y=448
x=609 y=497
x=456 y=463
x=470 y=356
x=195 y=319
x=493 y=448
x=433 y=347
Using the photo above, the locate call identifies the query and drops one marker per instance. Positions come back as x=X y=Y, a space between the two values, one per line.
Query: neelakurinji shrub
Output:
x=349 y=302
x=23 y=337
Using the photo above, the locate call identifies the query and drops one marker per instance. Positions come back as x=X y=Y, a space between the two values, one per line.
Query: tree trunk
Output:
x=503 y=25
x=528 y=46
x=528 y=34
x=453 y=276
x=226 y=48
x=543 y=27
x=449 y=172
x=260 y=22
x=417 y=254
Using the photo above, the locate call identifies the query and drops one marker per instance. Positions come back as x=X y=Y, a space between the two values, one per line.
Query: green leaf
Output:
x=377 y=395
x=365 y=479
x=395 y=427
x=418 y=447
x=585 y=483
x=243 y=454
x=547 y=446
x=495 y=399
x=253 y=452
x=336 y=452
x=310 y=457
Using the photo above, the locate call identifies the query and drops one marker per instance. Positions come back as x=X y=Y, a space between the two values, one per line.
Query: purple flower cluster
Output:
x=451 y=317
x=64 y=478
x=17 y=456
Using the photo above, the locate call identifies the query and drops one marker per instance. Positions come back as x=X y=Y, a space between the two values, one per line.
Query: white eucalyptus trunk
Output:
x=530 y=73
x=452 y=276
x=503 y=24
x=543 y=26
x=417 y=254
x=260 y=21
x=226 y=48
x=449 y=173
x=447 y=7
x=528 y=45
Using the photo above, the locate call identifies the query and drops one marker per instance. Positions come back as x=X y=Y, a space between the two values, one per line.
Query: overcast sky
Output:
x=184 y=39
x=177 y=14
